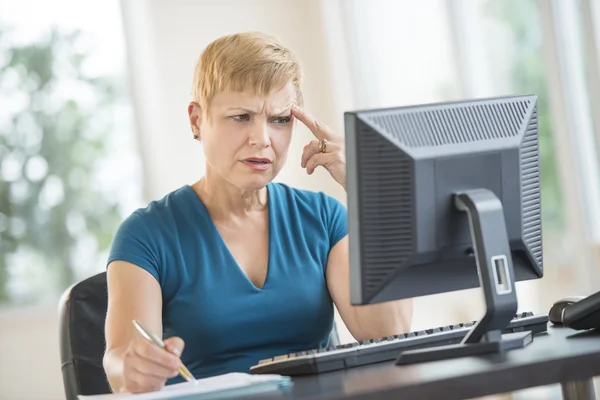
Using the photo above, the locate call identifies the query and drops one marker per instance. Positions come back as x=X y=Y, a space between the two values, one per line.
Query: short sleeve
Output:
x=337 y=218
x=133 y=243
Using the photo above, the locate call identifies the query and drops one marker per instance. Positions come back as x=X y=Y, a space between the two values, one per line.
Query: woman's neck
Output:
x=224 y=200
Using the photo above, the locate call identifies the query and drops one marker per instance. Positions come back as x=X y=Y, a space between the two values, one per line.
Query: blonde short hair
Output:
x=248 y=60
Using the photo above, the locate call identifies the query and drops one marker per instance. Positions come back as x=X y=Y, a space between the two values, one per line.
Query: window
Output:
x=514 y=46
x=67 y=149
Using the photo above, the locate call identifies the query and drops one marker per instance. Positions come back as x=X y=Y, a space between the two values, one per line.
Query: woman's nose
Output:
x=259 y=136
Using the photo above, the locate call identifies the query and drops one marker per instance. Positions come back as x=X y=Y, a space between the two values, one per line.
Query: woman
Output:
x=237 y=267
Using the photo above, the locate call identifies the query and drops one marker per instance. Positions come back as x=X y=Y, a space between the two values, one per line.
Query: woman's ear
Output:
x=195 y=115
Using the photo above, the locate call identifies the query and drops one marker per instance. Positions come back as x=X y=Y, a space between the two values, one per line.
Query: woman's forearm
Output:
x=384 y=319
x=113 y=368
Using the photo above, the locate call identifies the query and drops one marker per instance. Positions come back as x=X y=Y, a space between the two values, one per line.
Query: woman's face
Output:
x=246 y=138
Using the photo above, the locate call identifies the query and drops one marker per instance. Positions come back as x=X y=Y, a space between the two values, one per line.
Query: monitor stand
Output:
x=496 y=276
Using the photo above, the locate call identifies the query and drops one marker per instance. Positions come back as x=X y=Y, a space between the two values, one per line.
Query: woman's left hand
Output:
x=327 y=151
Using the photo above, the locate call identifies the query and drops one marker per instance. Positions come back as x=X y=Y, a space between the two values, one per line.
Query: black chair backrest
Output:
x=81 y=323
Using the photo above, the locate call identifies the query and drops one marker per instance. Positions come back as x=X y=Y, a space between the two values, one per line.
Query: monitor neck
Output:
x=494 y=262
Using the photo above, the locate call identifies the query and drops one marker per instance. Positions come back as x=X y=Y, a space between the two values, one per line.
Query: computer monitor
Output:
x=444 y=197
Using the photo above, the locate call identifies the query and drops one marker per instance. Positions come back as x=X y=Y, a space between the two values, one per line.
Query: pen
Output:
x=146 y=333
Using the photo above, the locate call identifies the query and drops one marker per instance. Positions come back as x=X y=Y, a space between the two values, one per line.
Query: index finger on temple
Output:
x=315 y=127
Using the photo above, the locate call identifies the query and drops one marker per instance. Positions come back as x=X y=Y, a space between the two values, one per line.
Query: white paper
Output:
x=216 y=384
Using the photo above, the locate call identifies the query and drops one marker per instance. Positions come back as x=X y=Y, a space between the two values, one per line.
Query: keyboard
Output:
x=383 y=349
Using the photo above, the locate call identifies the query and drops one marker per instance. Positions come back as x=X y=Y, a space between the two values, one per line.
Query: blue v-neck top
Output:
x=227 y=323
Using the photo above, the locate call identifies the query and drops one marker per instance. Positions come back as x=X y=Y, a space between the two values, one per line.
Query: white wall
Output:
x=29 y=355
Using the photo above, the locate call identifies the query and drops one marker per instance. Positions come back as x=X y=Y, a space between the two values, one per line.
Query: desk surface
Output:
x=561 y=355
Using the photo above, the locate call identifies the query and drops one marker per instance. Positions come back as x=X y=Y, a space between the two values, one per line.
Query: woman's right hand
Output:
x=146 y=367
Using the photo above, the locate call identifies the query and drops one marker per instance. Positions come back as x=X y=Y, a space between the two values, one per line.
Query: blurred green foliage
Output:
x=54 y=122
x=522 y=18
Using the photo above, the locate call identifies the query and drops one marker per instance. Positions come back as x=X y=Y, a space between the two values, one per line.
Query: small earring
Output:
x=195 y=136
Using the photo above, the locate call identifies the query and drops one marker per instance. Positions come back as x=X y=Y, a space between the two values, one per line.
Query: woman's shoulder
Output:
x=285 y=190
x=304 y=198
x=160 y=210
x=147 y=231
x=315 y=209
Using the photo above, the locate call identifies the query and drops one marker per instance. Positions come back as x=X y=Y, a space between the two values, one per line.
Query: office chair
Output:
x=82 y=312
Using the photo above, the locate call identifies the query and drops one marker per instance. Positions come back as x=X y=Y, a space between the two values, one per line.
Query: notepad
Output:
x=235 y=383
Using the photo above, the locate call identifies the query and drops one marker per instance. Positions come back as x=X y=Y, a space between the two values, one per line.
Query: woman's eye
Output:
x=282 y=120
x=242 y=117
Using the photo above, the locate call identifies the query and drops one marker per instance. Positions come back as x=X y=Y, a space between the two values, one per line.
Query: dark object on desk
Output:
x=584 y=314
x=561 y=356
x=82 y=314
x=383 y=349
x=443 y=197
x=556 y=311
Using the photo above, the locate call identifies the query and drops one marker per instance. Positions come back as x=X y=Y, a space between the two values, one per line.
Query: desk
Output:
x=560 y=356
